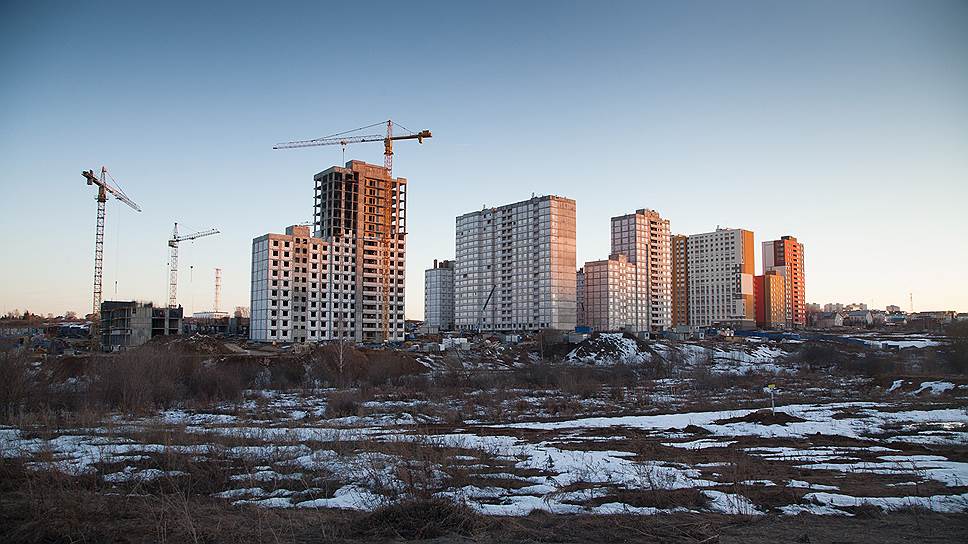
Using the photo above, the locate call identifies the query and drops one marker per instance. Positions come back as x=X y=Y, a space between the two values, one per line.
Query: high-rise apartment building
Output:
x=721 y=278
x=680 y=280
x=515 y=267
x=769 y=290
x=785 y=256
x=439 y=296
x=347 y=279
x=645 y=239
x=632 y=289
x=610 y=294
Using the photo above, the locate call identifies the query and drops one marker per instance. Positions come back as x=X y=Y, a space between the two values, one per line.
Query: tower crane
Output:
x=387 y=239
x=173 y=260
x=103 y=189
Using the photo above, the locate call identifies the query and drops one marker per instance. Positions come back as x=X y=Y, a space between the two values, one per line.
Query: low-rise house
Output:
x=830 y=320
x=896 y=318
x=859 y=318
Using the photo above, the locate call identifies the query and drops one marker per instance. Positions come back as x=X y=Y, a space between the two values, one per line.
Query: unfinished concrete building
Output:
x=347 y=279
x=293 y=299
x=439 y=297
x=126 y=324
x=363 y=214
x=515 y=267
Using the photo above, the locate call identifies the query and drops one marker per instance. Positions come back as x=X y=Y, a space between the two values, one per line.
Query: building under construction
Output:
x=127 y=324
x=346 y=280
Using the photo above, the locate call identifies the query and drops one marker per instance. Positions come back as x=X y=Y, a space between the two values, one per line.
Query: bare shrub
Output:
x=343 y=403
x=17 y=386
x=419 y=520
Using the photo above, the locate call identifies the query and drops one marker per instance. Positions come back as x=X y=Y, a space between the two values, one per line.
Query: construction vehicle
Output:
x=104 y=188
x=173 y=260
x=386 y=239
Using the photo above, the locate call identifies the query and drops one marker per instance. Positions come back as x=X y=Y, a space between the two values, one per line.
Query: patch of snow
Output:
x=815 y=509
x=937 y=503
x=729 y=503
x=348 y=497
x=702 y=443
x=935 y=388
x=131 y=474
x=800 y=484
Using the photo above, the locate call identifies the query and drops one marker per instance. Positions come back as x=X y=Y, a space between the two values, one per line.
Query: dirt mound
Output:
x=419 y=520
x=610 y=348
x=695 y=429
x=763 y=417
x=182 y=344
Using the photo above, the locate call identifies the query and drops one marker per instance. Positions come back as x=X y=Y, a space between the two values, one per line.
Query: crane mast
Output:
x=173 y=260
x=103 y=189
x=387 y=235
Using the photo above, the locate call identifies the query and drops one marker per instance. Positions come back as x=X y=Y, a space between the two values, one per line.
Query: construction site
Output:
x=661 y=273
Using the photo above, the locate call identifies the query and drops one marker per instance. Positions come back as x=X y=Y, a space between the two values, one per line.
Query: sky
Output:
x=843 y=123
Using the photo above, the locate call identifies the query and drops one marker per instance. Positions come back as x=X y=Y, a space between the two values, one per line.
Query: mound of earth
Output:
x=195 y=344
x=695 y=429
x=763 y=417
x=610 y=348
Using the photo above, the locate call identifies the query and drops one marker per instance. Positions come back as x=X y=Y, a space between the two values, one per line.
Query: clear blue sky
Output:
x=843 y=123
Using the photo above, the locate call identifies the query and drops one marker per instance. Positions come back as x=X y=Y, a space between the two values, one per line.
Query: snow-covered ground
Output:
x=588 y=464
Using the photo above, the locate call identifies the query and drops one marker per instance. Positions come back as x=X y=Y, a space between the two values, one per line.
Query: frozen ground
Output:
x=279 y=451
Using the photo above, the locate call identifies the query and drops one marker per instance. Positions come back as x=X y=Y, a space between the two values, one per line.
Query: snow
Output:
x=815 y=509
x=702 y=443
x=895 y=386
x=818 y=419
x=729 y=503
x=934 y=467
x=349 y=497
x=800 y=484
x=130 y=474
x=609 y=348
x=935 y=388
x=937 y=503
x=764 y=483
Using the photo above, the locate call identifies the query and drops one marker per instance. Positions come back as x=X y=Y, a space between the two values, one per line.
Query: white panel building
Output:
x=439 y=297
x=294 y=297
x=515 y=267
x=720 y=278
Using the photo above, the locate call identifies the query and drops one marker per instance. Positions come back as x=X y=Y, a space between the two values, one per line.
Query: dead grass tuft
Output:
x=419 y=520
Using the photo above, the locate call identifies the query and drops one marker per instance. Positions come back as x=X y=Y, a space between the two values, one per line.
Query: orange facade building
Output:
x=769 y=290
x=785 y=257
